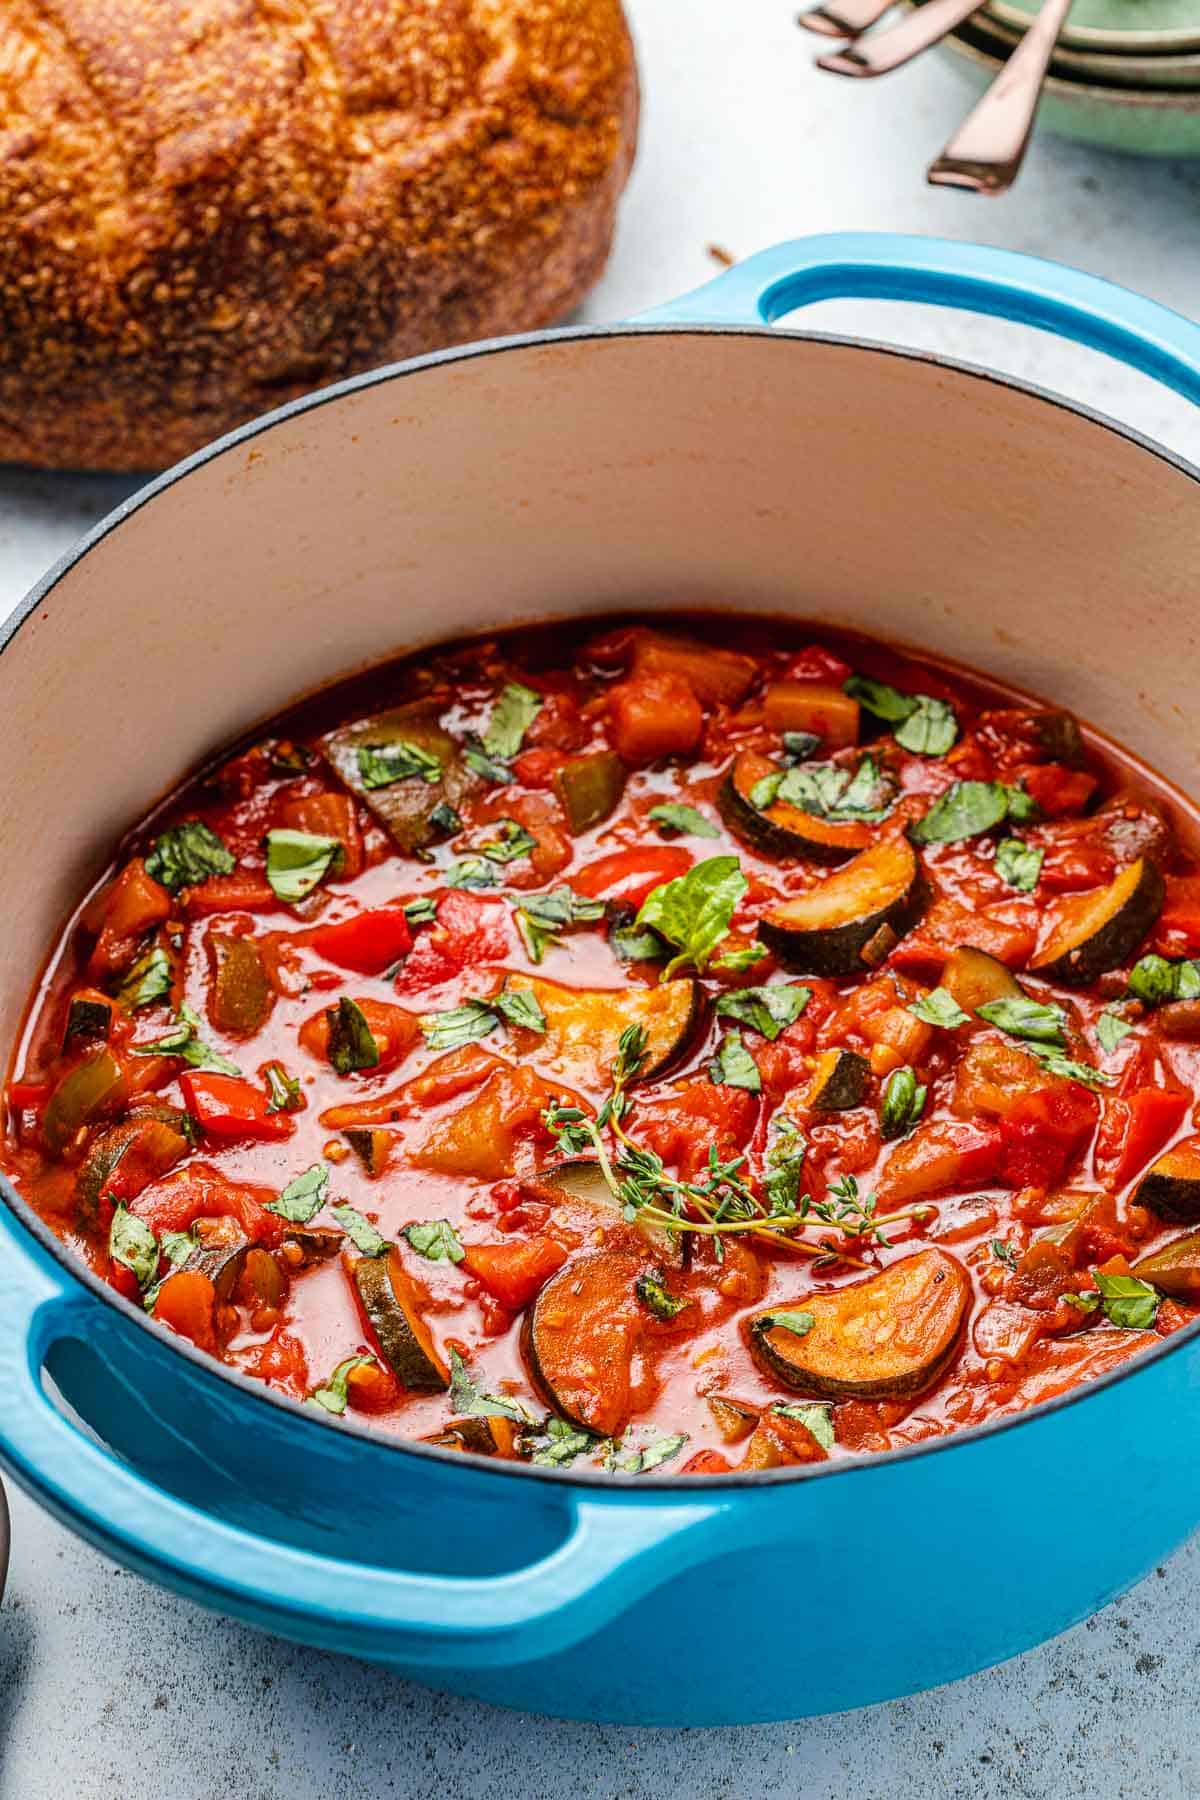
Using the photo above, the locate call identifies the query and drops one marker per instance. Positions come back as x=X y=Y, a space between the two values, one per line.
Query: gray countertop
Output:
x=110 y=1688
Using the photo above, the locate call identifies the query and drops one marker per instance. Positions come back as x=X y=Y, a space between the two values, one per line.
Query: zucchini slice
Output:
x=584 y=1026
x=221 y=1263
x=782 y=830
x=405 y=807
x=1098 y=932
x=316 y=1243
x=839 y=1081
x=1171 y=1186
x=88 y=1022
x=402 y=1335
x=580 y=1182
x=733 y=1420
x=240 y=996
x=974 y=978
x=589 y=788
x=370 y=1145
x=484 y=1437
x=1175 y=1269
x=160 y=1134
x=580 y=1336
x=886 y=1338
x=825 y=931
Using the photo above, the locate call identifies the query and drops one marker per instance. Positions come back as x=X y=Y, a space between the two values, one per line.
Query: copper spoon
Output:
x=986 y=152
x=884 y=51
x=844 y=18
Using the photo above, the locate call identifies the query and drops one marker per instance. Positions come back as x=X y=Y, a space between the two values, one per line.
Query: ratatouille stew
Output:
x=610 y=1048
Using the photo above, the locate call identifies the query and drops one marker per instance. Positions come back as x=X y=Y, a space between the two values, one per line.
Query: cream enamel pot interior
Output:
x=705 y=461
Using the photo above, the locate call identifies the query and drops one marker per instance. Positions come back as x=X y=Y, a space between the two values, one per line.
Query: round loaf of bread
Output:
x=209 y=206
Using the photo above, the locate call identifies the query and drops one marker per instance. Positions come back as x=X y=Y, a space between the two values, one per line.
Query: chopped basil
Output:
x=628 y=944
x=1055 y=1063
x=742 y=957
x=1003 y=1252
x=460 y=1025
x=297 y=861
x=177 y=1246
x=512 y=715
x=383 y=765
x=132 y=1243
x=784 y=1163
x=651 y=1456
x=1111 y=1030
x=443 y=818
x=827 y=791
x=149 y=980
x=674 y=820
x=512 y=842
x=818 y=1420
x=938 y=1007
x=767 y=1010
x=541 y=918
x=470 y=1402
x=284 y=1090
x=332 y=1397
x=903 y=1103
x=360 y=1231
x=733 y=1065
x=436 y=1240
x=480 y=763
x=963 y=811
x=1018 y=864
x=923 y=724
x=798 y=1323
x=694 y=911
x=651 y=1290
x=560 y=1444
x=885 y=702
x=352 y=1044
x=303 y=1198
x=471 y=872
x=799 y=745
x=520 y=1007
x=187 y=854
x=1127 y=1301
x=184 y=1040
x=1027 y=1019
x=422 y=911
x=1155 y=981
x=1084 y=1303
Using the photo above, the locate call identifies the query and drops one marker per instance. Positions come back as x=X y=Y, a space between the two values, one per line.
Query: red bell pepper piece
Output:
x=366 y=943
x=514 y=1274
x=815 y=663
x=246 y=890
x=135 y=903
x=28 y=1096
x=471 y=931
x=629 y=875
x=230 y=1109
x=1058 y=791
x=1178 y=930
x=1134 y=1129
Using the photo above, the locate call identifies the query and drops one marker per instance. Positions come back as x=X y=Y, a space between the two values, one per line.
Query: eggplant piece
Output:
x=1101 y=931
x=779 y=1442
x=581 y=1182
x=1175 y=1269
x=1133 y=828
x=733 y=1420
x=974 y=978
x=402 y=1335
x=1058 y=736
x=405 y=807
x=584 y=1025
x=240 y=996
x=162 y=1147
x=316 y=1243
x=89 y=1021
x=580 y=1336
x=839 y=1081
x=370 y=1145
x=825 y=931
x=589 y=788
x=483 y=1437
x=782 y=830
x=886 y=1338
x=221 y=1263
x=717 y=677
x=1171 y=1186
x=93 y=1086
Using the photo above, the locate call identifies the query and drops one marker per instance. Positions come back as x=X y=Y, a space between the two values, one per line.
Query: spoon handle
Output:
x=986 y=152
x=844 y=18
x=884 y=51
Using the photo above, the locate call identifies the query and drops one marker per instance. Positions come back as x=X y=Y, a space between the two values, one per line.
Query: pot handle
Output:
x=1004 y=283
x=610 y=1555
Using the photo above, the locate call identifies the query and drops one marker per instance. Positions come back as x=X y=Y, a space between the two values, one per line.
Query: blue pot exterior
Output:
x=656 y=1601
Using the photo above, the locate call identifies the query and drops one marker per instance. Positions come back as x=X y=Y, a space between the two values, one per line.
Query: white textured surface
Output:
x=109 y=1688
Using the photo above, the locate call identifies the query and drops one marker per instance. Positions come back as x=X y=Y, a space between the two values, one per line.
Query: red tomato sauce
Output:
x=304 y=1071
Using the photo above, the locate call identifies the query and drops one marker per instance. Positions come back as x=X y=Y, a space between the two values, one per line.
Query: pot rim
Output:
x=258 y=1391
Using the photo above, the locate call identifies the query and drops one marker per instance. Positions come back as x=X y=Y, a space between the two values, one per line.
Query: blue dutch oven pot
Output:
x=693 y=457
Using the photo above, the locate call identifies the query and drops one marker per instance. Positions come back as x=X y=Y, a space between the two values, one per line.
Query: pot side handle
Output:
x=974 y=277
x=611 y=1553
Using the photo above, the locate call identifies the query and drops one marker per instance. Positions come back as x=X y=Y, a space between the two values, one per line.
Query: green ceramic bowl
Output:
x=1132 y=69
x=1164 y=26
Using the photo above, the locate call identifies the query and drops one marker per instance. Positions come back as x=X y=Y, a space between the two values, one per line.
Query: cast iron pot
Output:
x=698 y=458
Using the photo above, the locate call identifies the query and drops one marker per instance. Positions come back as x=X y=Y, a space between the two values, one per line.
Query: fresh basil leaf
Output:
x=818 y=1420
x=733 y=1065
x=468 y=1401
x=352 y=1043
x=930 y=729
x=1003 y=1252
x=1018 y=864
x=798 y=746
x=177 y=1246
x=784 y=1164
x=742 y=957
x=520 y=1007
x=360 y=1231
x=437 y=1241
x=767 y=1010
x=1056 y=1063
x=542 y=917
x=903 y=1103
x=1084 y=1303
x=471 y=872
x=1127 y=1301
x=443 y=818
x=651 y=1456
x=765 y=791
x=460 y=1025
x=184 y=1040
x=674 y=820
x=885 y=702
x=511 y=842
x=798 y=1323
x=651 y=1290
x=422 y=911
x=938 y=1007
x=512 y=715
x=1111 y=1030
x=383 y=765
x=1022 y=807
x=283 y=1089
x=486 y=767
x=297 y=861
x=303 y=1197
x=694 y=911
x=185 y=855
x=1027 y=1019
x=963 y=811
x=1155 y=981
x=628 y=944
x=333 y=1395
x=148 y=981
x=560 y=1445
x=132 y=1243
x=829 y=792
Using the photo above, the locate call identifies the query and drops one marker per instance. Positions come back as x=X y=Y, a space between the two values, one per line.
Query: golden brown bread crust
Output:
x=210 y=206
